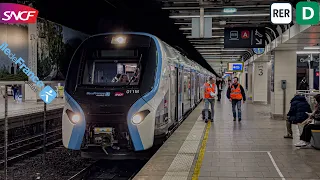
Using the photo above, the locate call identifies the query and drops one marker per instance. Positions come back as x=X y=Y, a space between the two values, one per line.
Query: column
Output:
x=260 y=85
x=250 y=82
x=29 y=94
x=311 y=80
x=285 y=68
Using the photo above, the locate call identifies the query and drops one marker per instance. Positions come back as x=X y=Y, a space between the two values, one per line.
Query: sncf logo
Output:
x=17 y=13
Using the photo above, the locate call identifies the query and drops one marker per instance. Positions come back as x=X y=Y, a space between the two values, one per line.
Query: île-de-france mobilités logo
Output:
x=12 y=13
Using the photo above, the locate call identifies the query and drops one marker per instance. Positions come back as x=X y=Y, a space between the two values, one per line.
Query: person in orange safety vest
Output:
x=210 y=92
x=236 y=94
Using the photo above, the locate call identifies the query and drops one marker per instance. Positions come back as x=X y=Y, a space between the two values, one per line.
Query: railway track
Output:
x=30 y=146
x=109 y=170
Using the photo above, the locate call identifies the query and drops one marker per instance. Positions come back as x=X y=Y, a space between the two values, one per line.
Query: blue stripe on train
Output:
x=79 y=128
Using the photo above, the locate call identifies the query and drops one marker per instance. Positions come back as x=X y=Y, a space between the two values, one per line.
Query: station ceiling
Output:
x=170 y=20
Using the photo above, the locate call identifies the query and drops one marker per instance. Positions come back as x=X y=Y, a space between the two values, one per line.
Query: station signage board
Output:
x=244 y=37
x=235 y=67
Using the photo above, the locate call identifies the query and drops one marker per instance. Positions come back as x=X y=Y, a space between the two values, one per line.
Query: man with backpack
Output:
x=210 y=92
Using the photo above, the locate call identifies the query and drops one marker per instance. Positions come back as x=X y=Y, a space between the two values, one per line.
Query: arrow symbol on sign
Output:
x=258 y=41
x=257 y=33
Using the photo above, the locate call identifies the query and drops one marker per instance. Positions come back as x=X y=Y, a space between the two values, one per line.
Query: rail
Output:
x=30 y=145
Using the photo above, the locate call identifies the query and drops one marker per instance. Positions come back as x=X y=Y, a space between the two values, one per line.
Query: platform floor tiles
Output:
x=253 y=149
x=19 y=108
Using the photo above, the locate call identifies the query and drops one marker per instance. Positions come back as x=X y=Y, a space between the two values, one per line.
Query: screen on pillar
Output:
x=235 y=67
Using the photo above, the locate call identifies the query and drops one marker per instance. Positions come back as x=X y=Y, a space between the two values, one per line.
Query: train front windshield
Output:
x=114 y=61
x=114 y=72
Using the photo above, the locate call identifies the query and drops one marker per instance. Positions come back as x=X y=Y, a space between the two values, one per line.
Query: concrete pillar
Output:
x=285 y=68
x=250 y=82
x=311 y=80
x=260 y=82
x=29 y=94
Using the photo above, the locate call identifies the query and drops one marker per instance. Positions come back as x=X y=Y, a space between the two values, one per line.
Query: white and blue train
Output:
x=124 y=92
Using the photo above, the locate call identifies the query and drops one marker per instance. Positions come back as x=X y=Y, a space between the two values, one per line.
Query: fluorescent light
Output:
x=225 y=50
x=208 y=47
x=211 y=53
x=312 y=47
x=229 y=10
x=189 y=28
x=308 y=52
x=190 y=37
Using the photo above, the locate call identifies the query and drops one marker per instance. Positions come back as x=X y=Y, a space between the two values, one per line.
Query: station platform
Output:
x=21 y=108
x=253 y=149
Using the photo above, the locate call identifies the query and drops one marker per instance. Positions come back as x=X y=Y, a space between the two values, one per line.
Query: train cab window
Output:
x=111 y=73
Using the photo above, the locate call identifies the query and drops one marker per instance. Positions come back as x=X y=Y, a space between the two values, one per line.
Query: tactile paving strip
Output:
x=181 y=165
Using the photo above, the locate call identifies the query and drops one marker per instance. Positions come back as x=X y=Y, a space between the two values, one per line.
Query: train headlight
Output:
x=119 y=40
x=139 y=117
x=73 y=117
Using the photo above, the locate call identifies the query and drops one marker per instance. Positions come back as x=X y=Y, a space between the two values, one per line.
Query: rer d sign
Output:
x=307 y=13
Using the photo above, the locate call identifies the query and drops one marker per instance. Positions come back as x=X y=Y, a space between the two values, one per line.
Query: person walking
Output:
x=236 y=94
x=210 y=92
x=219 y=86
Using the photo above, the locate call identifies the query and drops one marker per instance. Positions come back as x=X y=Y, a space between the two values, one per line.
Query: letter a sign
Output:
x=245 y=34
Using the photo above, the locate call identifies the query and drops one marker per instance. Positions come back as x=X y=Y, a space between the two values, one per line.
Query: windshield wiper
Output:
x=136 y=71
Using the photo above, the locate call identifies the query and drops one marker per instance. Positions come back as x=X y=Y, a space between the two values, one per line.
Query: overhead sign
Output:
x=307 y=13
x=244 y=37
x=281 y=13
x=258 y=51
x=207 y=28
x=235 y=66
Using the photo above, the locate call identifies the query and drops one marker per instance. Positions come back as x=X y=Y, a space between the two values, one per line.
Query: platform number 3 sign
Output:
x=260 y=69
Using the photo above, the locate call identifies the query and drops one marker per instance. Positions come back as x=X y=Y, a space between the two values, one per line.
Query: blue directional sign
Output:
x=235 y=66
x=258 y=51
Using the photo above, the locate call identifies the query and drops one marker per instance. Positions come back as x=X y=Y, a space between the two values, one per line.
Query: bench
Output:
x=315 y=140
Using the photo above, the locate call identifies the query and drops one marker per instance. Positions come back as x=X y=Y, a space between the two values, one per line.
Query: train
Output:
x=125 y=92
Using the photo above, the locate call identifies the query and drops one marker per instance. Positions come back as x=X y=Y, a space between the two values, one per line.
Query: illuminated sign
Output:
x=235 y=67
x=229 y=10
x=258 y=51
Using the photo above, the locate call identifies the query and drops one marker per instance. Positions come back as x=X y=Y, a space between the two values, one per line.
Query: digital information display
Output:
x=235 y=67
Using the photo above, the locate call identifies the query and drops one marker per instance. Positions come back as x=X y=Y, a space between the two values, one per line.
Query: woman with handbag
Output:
x=313 y=123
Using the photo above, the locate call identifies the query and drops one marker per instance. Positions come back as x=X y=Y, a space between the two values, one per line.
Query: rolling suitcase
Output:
x=204 y=115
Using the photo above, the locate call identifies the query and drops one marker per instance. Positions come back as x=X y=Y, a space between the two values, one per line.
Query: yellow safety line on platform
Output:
x=196 y=171
x=316 y=131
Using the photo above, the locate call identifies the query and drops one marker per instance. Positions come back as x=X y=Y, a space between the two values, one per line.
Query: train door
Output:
x=192 y=89
x=186 y=91
x=174 y=93
x=180 y=93
x=197 y=88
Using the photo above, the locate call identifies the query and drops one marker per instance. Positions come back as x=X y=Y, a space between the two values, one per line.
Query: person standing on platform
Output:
x=14 y=89
x=236 y=94
x=210 y=92
x=219 y=86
